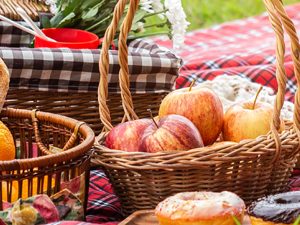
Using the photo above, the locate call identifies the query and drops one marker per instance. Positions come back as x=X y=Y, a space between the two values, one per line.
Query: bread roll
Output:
x=4 y=83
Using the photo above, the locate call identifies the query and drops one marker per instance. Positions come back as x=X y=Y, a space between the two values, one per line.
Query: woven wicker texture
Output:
x=43 y=170
x=251 y=168
x=32 y=8
x=81 y=106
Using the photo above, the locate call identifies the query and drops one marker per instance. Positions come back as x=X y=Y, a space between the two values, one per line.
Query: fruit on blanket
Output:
x=248 y=120
x=7 y=146
x=200 y=105
x=22 y=214
x=126 y=136
x=25 y=190
x=171 y=132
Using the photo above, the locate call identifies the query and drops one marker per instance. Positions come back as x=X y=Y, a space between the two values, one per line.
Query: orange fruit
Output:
x=25 y=191
x=7 y=146
x=8 y=152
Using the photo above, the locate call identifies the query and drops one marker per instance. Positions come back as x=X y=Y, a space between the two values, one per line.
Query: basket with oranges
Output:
x=28 y=163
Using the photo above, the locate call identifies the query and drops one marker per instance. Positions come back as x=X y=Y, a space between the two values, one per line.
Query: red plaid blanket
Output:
x=104 y=205
x=245 y=48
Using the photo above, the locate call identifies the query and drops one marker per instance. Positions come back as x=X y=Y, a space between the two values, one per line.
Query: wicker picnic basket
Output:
x=251 y=168
x=37 y=169
x=32 y=7
x=155 y=73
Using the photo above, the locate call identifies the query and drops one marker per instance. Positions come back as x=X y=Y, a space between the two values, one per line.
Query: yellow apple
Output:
x=247 y=120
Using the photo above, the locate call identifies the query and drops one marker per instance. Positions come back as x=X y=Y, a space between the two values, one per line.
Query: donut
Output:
x=200 y=208
x=280 y=209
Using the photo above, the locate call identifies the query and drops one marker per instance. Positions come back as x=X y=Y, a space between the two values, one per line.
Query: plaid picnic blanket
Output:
x=243 y=47
x=153 y=69
x=104 y=205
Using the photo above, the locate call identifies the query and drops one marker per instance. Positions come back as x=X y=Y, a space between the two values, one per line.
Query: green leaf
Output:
x=86 y=15
x=91 y=3
x=45 y=22
x=139 y=15
x=104 y=22
x=297 y=222
x=138 y=18
x=72 y=7
x=237 y=222
x=55 y=20
x=59 y=4
x=92 y=15
x=66 y=19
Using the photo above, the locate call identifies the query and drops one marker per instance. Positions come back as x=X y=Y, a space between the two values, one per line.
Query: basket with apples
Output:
x=192 y=145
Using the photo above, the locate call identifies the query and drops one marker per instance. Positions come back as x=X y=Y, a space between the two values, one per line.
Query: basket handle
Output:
x=123 y=61
x=295 y=47
x=279 y=20
x=70 y=143
x=280 y=75
x=4 y=83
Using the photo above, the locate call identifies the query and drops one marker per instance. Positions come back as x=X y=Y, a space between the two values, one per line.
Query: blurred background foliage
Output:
x=205 y=13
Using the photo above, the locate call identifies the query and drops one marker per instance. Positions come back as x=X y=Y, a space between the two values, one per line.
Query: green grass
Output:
x=204 y=13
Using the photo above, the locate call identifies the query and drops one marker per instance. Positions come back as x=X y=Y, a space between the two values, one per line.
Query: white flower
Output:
x=158 y=7
x=146 y=5
x=52 y=4
x=177 y=18
x=53 y=9
x=152 y=6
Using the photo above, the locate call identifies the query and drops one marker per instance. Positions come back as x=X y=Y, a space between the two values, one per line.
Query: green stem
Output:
x=100 y=4
x=297 y=221
x=192 y=84
x=155 y=25
x=237 y=222
x=256 y=96
x=150 y=34
x=155 y=13
x=98 y=23
x=151 y=115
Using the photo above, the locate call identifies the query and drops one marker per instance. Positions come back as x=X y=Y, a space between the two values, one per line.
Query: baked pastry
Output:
x=233 y=88
x=200 y=208
x=280 y=209
x=4 y=82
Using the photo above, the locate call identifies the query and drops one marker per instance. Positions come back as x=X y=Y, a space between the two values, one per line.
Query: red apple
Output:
x=126 y=136
x=200 y=105
x=242 y=121
x=171 y=132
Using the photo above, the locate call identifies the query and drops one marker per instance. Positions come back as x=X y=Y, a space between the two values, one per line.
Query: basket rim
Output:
x=49 y=160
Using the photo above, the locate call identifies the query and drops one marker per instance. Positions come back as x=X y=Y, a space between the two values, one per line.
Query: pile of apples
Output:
x=192 y=118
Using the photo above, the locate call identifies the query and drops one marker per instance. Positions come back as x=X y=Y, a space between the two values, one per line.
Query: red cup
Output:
x=67 y=38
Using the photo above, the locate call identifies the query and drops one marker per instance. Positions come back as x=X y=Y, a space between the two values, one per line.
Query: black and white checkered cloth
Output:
x=153 y=69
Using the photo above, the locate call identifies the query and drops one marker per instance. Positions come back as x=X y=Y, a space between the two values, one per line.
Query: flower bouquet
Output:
x=153 y=17
x=50 y=72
